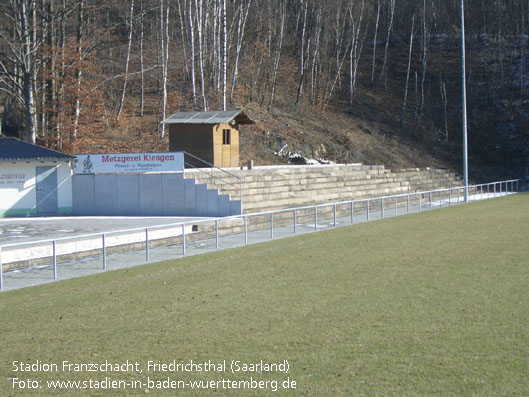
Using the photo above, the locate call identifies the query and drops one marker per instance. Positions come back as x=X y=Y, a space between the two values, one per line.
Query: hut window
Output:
x=226 y=138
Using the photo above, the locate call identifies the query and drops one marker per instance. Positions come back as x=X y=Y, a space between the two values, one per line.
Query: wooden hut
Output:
x=211 y=136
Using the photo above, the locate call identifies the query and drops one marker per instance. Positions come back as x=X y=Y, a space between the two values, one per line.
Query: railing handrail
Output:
x=211 y=165
x=212 y=175
x=194 y=222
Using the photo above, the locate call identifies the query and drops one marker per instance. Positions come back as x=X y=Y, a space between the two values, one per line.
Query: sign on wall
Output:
x=10 y=179
x=129 y=162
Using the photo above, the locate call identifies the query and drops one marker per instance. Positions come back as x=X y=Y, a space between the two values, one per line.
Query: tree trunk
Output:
x=278 y=55
x=125 y=79
x=408 y=70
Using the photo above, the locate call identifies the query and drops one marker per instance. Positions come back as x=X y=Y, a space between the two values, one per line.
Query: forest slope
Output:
x=371 y=81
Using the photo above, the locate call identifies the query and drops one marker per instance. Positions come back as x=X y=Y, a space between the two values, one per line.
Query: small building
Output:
x=211 y=136
x=34 y=180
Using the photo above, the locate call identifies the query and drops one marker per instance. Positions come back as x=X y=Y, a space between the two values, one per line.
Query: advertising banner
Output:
x=129 y=162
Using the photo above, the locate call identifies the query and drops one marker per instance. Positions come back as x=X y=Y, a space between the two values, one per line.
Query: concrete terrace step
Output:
x=278 y=187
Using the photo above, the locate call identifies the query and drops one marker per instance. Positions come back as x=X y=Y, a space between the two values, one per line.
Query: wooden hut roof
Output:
x=215 y=117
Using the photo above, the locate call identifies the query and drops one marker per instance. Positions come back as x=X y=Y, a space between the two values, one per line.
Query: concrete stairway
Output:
x=278 y=187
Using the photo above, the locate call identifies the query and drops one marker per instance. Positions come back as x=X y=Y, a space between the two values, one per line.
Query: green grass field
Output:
x=428 y=304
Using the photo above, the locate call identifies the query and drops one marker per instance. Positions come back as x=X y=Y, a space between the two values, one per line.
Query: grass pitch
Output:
x=428 y=304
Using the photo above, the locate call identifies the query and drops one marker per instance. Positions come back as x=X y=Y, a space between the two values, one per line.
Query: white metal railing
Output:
x=283 y=222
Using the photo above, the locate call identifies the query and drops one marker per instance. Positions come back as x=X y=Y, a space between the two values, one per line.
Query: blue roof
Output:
x=11 y=149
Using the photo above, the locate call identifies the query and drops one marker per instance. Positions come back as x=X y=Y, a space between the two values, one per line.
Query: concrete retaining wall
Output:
x=153 y=194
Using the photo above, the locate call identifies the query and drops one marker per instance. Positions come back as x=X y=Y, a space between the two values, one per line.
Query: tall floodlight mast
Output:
x=464 y=102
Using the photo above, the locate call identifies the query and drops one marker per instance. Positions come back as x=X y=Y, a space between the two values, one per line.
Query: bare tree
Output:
x=18 y=63
x=224 y=55
x=412 y=33
x=243 y=16
x=383 y=73
x=302 y=62
x=357 y=44
x=192 y=46
x=375 y=45
x=125 y=79
x=164 y=50
x=282 y=12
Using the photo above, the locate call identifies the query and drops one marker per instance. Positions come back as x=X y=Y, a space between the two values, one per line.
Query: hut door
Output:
x=226 y=148
x=46 y=190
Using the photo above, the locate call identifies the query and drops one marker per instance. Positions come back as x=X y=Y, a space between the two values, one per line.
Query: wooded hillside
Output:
x=350 y=80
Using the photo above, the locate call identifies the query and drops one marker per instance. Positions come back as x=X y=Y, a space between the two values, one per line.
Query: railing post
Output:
x=146 y=245
x=295 y=221
x=245 y=230
x=430 y=199
x=396 y=206
x=271 y=225
x=382 y=207
x=481 y=191
x=1 y=271
x=334 y=215
x=103 y=242
x=352 y=212
x=216 y=234
x=240 y=195
x=367 y=212
x=54 y=245
x=183 y=240
x=408 y=204
x=315 y=217
x=450 y=197
x=420 y=202
x=501 y=185
x=440 y=199
x=494 y=189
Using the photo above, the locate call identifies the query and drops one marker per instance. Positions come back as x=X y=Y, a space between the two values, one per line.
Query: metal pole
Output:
x=352 y=212
x=464 y=101
x=420 y=200
x=450 y=197
x=271 y=225
x=440 y=199
x=408 y=204
x=240 y=195
x=367 y=212
x=396 y=205
x=1 y=271
x=146 y=245
x=315 y=218
x=216 y=234
x=334 y=215
x=54 y=260
x=481 y=191
x=183 y=240
x=295 y=221
x=430 y=199
x=382 y=207
x=245 y=230
x=104 y=252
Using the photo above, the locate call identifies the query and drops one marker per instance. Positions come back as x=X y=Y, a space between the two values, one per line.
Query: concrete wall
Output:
x=153 y=194
x=18 y=193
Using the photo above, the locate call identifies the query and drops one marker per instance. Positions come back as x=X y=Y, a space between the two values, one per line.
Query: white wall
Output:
x=18 y=187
